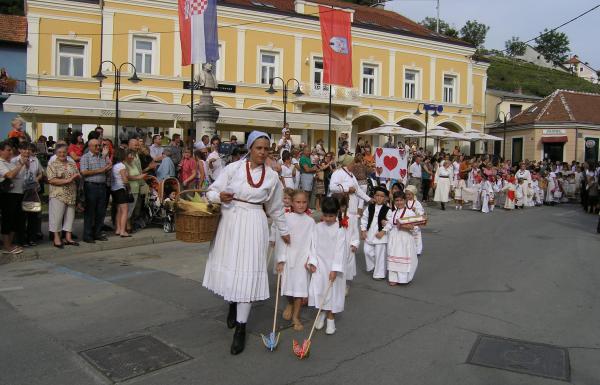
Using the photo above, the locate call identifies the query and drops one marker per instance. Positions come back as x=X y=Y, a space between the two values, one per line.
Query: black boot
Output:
x=598 y=229
x=231 y=315
x=443 y=206
x=239 y=338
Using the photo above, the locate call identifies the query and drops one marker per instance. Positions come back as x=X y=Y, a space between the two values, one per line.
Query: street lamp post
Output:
x=134 y=79
x=503 y=117
x=428 y=107
x=286 y=86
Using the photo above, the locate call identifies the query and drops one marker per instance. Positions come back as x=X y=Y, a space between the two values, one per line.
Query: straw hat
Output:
x=412 y=189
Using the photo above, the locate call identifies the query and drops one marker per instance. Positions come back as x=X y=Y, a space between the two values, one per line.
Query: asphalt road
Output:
x=530 y=275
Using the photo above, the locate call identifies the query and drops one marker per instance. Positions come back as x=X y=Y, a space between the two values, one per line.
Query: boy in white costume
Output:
x=413 y=204
x=327 y=264
x=291 y=263
x=487 y=196
x=511 y=193
x=372 y=224
x=402 y=252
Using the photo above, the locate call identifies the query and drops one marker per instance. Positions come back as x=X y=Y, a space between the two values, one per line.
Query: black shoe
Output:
x=231 y=315
x=88 y=240
x=239 y=339
x=598 y=229
x=101 y=238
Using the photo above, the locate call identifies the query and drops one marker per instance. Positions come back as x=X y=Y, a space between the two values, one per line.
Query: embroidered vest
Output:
x=380 y=218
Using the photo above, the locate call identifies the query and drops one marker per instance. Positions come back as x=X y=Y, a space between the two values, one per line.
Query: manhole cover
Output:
x=134 y=357
x=521 y=356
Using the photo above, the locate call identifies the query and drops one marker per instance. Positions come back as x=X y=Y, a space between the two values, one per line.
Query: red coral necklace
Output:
x=249 y=176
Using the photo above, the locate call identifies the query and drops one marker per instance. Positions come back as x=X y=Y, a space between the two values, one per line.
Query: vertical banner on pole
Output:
x=198 y=31
x=336 y=37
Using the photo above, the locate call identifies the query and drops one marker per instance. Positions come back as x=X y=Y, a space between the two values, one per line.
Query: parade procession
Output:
x=292 y=191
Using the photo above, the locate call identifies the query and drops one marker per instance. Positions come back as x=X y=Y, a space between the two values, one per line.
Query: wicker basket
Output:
x=195 y=227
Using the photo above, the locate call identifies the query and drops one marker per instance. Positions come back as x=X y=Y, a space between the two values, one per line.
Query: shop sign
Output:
x=554 y=131
x=229 y=88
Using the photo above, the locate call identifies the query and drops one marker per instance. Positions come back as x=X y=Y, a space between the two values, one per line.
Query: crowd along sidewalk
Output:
x=45 y=249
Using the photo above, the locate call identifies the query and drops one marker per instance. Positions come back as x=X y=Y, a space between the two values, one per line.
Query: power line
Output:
x=266 y=20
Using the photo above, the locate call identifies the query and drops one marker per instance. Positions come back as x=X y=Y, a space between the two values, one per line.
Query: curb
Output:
x=114 y=243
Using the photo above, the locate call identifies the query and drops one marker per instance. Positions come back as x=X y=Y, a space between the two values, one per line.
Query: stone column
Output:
x=206 y=115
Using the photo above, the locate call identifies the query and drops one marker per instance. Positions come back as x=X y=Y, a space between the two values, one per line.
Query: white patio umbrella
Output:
x=440 y=132
x=389 y=129
x=475 y=135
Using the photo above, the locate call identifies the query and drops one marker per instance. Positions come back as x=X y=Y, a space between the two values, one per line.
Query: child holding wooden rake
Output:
x=327 y=263
x=291 y=261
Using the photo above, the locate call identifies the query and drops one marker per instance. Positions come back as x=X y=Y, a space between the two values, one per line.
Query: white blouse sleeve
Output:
x=274 y=209
x=220 y=184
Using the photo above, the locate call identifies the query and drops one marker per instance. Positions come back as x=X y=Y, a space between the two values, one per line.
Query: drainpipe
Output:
x=101 y=3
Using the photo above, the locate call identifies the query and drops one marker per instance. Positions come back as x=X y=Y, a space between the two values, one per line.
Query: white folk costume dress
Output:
x=287 y=175
x=458 y=191
x=402 y=258
x=476 y=188
x=552 y=188
x=487 y=195
x=500 y=197
x=416 y=206
x=511 y=195
x=471 y=177
x=352 y=239
x=372 y=222
x=295 y=277
x=237 y=260
x=456 y=171
x=527 y=193
x=538 y=194
x=328 y=254
x=520 y=195
x=443 y=183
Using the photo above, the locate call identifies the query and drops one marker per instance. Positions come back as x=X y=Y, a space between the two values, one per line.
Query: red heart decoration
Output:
x=402 y=173
x=390 y=162
x=379 y=170
x=379 y=151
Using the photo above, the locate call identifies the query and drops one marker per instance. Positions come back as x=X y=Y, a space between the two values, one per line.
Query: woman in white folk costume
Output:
x=288 y=170
x=402 y=252
x=352 y=238
x=524 y=174
x=291 y=262
x=237 y=261
x=443 y=183
x=487 y=195
x=413 y=204
x=327 y=264
x=372 y=226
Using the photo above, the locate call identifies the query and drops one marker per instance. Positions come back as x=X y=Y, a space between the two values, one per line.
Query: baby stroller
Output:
x=159 y=207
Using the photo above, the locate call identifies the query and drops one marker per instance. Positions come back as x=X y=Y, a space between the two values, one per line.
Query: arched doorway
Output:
x=364 y=123
x=449 y=145
x=415 y=125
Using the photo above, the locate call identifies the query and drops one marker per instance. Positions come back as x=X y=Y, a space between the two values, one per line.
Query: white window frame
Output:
x=155 y=50
x=376 y=78
x=143 y=52
x=87 y=46
x=456 y=93
x=418 y=82
x=278 y=52
x=313 y=68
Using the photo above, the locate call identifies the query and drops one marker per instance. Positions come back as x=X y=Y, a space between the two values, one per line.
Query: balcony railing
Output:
x=13 y=86
x=321 y=91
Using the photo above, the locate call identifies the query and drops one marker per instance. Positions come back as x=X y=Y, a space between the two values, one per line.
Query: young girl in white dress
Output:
x=288 y=170
x=327 y=263
x=278 y=247
x=402 y=252
x=349 y=223
x=413 y=204
x=458 y=193
x=291 y=263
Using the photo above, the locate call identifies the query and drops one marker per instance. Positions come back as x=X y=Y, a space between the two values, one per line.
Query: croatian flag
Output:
x=198 y=31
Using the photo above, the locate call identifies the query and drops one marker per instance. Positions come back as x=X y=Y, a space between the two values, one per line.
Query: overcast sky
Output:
x=522 y=18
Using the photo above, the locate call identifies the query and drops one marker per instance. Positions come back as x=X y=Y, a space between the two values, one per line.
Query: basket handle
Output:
x=189 y=191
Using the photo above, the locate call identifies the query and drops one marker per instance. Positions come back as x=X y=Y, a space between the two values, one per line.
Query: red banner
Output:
x=337 y=46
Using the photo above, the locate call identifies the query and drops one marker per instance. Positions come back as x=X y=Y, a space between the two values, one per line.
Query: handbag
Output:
x=31 y=202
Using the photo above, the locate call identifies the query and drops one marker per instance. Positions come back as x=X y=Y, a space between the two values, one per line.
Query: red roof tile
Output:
x=364 y=17
x=13 y=28
x=562 y=106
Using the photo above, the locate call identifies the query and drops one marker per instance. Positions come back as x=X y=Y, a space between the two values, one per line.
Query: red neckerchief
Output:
x=249 y=176
x=401 y=216
x=288 y=210
x=345 y=222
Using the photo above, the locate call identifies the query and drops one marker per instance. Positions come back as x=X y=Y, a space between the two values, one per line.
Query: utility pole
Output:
x=437 y=25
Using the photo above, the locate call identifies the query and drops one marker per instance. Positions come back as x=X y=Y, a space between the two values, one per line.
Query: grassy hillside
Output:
x=509 y=74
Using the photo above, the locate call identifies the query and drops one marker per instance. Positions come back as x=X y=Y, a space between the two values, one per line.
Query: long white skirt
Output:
x=318 y=286
x=350 y=271
x=237 y=261
x=402 y=256
x=442 y=190
x=416 y=233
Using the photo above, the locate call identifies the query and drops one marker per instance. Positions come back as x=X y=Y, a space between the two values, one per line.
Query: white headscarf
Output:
x=199 y=145
x=255 y=135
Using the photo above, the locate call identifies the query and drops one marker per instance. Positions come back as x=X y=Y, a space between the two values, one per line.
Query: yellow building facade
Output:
x=393 y=71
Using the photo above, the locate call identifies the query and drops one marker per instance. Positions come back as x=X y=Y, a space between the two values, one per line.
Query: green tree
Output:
x=445 y=29
x=554 y=46
x=515 y=47
x=12 y=7
x=474 y=32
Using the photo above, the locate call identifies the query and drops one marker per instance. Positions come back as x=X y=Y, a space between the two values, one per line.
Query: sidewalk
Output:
x=147 y=236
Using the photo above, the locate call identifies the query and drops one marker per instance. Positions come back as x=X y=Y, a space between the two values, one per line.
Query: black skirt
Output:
x=120 y=197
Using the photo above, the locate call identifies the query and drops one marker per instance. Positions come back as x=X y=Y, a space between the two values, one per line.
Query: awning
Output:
x=94 y=111
x=555 y=139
